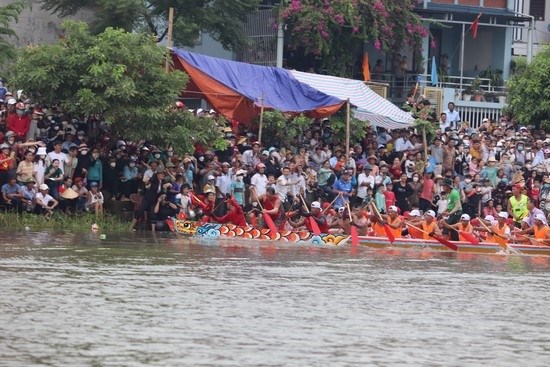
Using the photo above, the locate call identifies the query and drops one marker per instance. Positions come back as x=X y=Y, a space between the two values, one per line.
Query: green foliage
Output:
x=118 y=75
x=338 y=125
x=282 y=130
x=529 y=91
x=422 y=123
x=8 y=14
x=62 y=222
x=338 y=28
x=222 y=19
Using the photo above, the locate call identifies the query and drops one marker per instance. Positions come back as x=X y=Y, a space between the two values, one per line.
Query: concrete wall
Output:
x=37 y=26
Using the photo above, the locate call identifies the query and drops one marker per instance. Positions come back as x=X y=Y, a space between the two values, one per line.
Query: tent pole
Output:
x=169 y=42
x=261 y=120
x=425 y=144
x=347 y=129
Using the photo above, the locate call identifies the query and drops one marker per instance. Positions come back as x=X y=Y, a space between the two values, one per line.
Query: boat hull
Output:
x=231 y=231
x=466 y=247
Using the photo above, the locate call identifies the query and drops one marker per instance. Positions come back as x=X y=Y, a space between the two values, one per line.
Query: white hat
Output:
x=415 y=213
x=241 y=172
x=503 y=215
x=431 y=213
x=211 y=177
x=393 y=208
x=540 y=217
x=199 y=111
x=41 y=151
x=464 y=217
x=12 y=101
x=44 y=187
x=212 y=111
x=485 y=119
x=490 y=218
x=316 y=204
x=341 y=209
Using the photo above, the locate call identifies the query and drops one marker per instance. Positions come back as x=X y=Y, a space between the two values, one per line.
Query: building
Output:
x=540 y=11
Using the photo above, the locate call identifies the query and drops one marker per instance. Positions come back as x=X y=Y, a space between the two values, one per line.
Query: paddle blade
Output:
x=389 y=233
x=501 y=242
x=314 y=226
x=170 y=224
x=270 y=224
x=354 y=236
x=446 y=242
x=470 y=237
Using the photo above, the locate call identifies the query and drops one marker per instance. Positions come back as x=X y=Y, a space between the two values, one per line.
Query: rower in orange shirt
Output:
x=499 y=228
x=393 y=221
x=429 y=225
x=463 y=226
x=540 y=230
x=416 y=220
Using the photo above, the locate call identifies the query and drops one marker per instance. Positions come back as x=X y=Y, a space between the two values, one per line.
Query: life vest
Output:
x=468 y=229
x=541 y=233
x=499 y=231
x=428 y=228
x=415 y=233
x=396 y=231
x=519 y=208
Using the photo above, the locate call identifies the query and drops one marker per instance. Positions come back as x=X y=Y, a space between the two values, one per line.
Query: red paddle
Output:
x=353 y=229
x=267 y=218
x=470 y=237
x=441 y=240
x=312 y=222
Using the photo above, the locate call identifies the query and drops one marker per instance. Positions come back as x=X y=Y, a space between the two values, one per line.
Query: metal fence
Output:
x=261 y=32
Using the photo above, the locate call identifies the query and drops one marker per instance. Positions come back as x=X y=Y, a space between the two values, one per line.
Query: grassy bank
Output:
x=76 y=223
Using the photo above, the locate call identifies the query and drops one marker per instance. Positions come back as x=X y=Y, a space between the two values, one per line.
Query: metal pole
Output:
x=280 y=44
x=169 y=35
x=462 y=55
x=530 y=40
x=347 y=129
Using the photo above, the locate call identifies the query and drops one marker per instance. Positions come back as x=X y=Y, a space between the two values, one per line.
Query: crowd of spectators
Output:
x=54 y=162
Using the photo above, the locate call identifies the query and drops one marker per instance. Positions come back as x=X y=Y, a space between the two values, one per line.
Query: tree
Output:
x=118 y=75
x=336 y=30
x=529 y=91
x=222 y=19
x=8 y=14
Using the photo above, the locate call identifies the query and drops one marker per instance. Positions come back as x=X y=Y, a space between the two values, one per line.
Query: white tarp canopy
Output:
x=370 y=106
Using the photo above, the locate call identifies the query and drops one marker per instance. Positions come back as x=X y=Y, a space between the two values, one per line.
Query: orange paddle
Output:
x=353 y=229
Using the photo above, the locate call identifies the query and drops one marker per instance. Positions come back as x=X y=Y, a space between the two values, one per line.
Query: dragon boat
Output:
x=231 y=231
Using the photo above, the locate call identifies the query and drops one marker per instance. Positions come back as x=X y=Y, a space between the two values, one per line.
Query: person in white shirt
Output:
x=284 y=183
x=259 y=180
x=452 y=115
x=364 y=182
x=44 y=203
x=403 y=143
x=56 y=153
x=251 y=157
x=443 y=122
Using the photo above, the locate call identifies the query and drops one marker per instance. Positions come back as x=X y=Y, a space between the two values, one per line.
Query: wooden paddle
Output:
x=267 y=218
x=331 y=203
x=535 y=240
x=387 y=228
x=312 y=222
x=353 y=229
x=439 y=239
x=470 y=237
x=499 y=240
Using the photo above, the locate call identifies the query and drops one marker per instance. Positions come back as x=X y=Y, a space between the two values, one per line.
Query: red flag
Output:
x=366 y=69
x=475 y=24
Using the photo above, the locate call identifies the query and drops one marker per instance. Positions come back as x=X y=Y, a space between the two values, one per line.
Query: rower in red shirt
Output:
x=317 y=215
x=234 y=215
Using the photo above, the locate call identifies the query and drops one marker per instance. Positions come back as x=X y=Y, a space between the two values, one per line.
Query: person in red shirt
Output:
x=317 y=215
x=19 y=121
x=389 y=195
x=234 y=214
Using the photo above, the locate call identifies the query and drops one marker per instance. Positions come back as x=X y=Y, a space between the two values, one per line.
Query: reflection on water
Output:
x=144 y=300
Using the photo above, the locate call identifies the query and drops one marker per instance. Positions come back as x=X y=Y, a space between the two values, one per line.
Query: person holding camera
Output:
x=163 y=210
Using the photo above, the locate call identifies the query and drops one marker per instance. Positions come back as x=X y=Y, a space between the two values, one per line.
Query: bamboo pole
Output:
x=169 y=42
x=261 y=120
x=347 y=130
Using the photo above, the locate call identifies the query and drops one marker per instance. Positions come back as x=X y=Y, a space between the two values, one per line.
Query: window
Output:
x=536 y=9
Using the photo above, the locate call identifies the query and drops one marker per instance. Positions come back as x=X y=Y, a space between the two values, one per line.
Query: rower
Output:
x=429 y=225
x=360 y=220
x=499 y=228
x=393 y=221
x=540 y=231
x=464 y=225
x=272 y=206
x=415 y=219
x=317 y=215
x=234 y=215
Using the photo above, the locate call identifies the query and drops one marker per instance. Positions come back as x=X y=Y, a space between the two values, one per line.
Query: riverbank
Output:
x=77 y=223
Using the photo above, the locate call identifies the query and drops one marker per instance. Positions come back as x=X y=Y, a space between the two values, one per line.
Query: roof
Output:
x=370 y=106
x=471 y=10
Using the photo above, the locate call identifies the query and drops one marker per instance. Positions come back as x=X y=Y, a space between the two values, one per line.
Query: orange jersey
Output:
x=468 y=229
x=378 y=230
x=541 y=233
x=396 y=231
x=428 y=228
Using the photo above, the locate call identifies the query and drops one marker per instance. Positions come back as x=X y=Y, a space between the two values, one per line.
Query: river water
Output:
x=160 y=300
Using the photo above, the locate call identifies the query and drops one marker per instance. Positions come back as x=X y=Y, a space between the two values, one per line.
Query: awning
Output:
x=369 y=105
x=238 y=90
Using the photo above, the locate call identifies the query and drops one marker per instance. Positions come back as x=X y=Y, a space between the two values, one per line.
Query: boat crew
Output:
x=540 y=231
x=463 y=226
x=377 y=227
x=415 y=219
x=317 y=215
x=272 y=206
x=234 y=215
x=429 y=225
x=498 y=228
x=394 y=221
